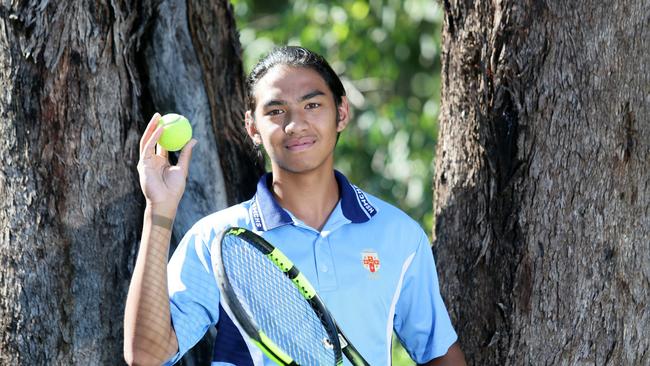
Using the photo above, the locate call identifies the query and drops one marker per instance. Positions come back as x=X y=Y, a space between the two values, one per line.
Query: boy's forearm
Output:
x=148 y=334
x=454 y=357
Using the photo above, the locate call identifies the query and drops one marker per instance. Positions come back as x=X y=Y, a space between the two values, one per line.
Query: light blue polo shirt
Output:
x=371 y=264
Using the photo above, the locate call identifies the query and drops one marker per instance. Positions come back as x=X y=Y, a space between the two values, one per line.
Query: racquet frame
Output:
x=338 y=340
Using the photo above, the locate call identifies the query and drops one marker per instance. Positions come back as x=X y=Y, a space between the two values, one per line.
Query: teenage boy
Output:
x=371 y=264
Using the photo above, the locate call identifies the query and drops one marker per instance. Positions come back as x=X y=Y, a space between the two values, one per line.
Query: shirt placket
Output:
x=325 y=263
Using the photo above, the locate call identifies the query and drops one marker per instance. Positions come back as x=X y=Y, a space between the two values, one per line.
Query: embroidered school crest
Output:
x=370 y=261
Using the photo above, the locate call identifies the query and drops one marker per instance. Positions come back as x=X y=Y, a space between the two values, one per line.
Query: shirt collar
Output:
x=267 y=214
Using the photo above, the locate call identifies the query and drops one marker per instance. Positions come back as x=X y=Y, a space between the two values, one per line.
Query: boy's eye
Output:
x=312 y=105
x=274 y=112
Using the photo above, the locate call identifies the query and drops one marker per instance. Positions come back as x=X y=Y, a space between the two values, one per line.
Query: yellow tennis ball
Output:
x=177 y=131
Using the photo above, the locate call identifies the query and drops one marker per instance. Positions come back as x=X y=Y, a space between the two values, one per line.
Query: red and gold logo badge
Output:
x=370 y=261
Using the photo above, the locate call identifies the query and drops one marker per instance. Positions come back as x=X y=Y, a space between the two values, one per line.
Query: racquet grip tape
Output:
x=298 y=279
x=304 y=286
x=280 y=260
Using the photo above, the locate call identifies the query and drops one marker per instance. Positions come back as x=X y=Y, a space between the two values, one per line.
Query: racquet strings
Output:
x=270 y=298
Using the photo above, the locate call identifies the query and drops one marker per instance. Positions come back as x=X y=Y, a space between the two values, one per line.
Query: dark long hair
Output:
x=298 y=57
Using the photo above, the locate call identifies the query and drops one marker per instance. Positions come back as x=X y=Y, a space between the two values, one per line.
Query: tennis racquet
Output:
x=275 y=304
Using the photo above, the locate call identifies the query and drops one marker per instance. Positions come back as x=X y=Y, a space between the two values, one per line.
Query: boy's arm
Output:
x=454 y=357
x=421 y=318
x=149 y=337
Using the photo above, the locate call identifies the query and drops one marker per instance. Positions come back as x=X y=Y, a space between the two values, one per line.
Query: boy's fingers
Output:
x=149 y=148
x=186 y=156
x=161 y=151
x=151 y=127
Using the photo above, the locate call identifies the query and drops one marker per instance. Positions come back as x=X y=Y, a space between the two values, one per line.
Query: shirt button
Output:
x=324 y=268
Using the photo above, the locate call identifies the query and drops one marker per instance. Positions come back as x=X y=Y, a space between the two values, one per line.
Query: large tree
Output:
x=79 y=81
x=543 y=180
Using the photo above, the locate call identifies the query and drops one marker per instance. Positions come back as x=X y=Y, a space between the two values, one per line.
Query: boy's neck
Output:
x=311 y=197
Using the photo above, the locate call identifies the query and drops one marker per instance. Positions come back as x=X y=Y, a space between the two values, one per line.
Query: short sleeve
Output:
x=421 y=319
x=193 y=292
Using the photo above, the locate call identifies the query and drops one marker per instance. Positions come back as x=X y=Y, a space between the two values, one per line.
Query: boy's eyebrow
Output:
x=310 y=95
x=274 y=102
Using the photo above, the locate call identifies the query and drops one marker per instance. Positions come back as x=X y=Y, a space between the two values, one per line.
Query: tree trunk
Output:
x=542 y=184
x=195 y=55
x=79 y=82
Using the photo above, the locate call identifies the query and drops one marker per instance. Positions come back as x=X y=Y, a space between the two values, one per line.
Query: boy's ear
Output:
x=251 y=129
x=344 y=114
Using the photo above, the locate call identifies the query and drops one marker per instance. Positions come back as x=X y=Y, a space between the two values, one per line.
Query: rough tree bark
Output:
x=542 y=181
x=79 y=82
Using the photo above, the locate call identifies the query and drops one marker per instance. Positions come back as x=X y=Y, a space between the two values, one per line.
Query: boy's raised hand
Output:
x=163 y=184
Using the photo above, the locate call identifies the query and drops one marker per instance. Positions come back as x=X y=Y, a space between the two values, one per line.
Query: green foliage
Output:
x=387 y=54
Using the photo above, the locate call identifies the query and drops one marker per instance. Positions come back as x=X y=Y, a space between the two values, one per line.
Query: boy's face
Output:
x=295 y=119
